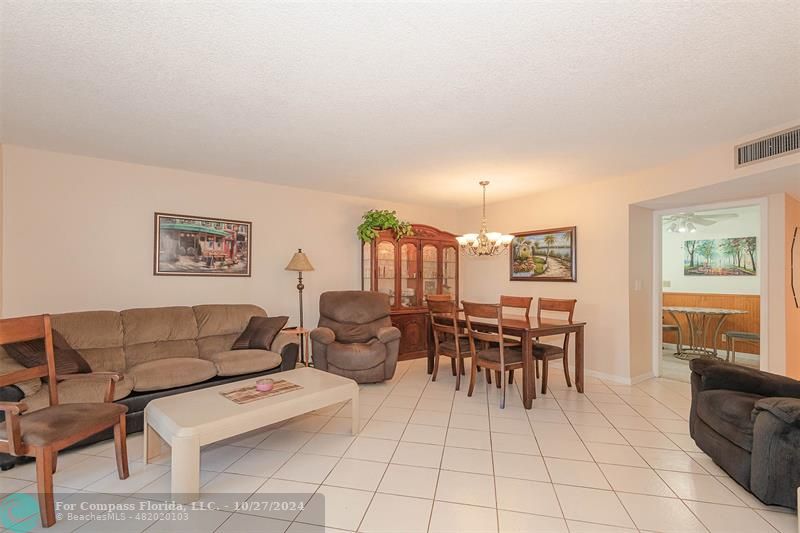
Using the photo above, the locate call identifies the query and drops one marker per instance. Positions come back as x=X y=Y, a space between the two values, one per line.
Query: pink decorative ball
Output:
x=264 y=385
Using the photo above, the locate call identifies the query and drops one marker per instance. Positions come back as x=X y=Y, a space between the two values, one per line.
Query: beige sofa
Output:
x=160 y=351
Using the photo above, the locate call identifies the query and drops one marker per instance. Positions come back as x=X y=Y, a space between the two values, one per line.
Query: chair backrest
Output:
x=354 y=316
x=478 y=310
x=553 y=304
x=30 y=328
x=517 y=302
x=443 y=315
x=439 y=298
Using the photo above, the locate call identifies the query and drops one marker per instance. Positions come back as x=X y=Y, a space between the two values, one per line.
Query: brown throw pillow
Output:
x=31 y=354
x=259 y=333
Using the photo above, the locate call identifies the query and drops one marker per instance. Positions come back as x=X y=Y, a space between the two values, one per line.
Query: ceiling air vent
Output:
x=782 y=143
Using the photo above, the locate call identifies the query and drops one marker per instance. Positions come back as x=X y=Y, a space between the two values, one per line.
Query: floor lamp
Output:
x=300 y=263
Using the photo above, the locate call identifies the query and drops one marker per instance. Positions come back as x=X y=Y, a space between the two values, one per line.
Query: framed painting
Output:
x=188 y=245
x=736 y=256
x=544 y=255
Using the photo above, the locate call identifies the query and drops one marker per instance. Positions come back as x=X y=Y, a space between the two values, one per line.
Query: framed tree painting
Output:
x=187 y=245
x=544 y=255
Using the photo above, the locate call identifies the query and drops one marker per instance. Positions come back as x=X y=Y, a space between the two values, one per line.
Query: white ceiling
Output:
x=408 y=102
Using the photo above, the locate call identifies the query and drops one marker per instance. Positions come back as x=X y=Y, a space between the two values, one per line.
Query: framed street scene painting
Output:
x=544 y=255
x=188 y=245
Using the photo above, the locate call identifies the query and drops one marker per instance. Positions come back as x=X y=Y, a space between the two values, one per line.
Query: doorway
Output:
x=711 y=285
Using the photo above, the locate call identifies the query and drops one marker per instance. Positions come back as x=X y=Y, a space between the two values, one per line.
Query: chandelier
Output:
x=485 y=243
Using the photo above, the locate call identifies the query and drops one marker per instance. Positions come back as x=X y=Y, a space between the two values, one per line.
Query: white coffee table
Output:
x=193 y=419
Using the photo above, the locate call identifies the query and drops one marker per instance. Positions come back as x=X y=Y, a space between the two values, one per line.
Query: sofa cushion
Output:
x=236 y=362
x=218 y=325
x=8 y=365
x=728 y=413
x=31 y=354
x=87 y=390
x=159 y=333
x=170 y=372
x=259 y=333
x=96 y=335
x=356 y=356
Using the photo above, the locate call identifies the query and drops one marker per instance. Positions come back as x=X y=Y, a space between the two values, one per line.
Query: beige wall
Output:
x=792 y=311
x=79 y=235
x=1 y=227
x=618 y=345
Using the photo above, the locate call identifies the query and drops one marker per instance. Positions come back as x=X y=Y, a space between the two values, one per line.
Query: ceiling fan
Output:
x=688 y=222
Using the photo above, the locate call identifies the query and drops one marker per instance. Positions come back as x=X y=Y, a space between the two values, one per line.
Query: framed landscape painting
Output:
x=720 y=257
x=545 y=255
x=188 y=245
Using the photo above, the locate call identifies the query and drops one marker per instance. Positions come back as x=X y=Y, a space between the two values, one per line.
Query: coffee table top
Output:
x=191 y=412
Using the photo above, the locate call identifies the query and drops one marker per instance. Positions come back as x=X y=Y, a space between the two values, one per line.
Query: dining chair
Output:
x=449 y=340
x=43 y=433
x=497 y=356
x=546 y=352
x=522 y=303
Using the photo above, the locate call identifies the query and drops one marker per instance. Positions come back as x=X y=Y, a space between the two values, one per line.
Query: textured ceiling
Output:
x=408 y=102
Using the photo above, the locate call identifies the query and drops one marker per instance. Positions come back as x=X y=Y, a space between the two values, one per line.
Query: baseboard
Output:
x=621 y=380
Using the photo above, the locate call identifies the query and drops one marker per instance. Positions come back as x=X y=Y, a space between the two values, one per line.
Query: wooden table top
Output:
x=531 y=323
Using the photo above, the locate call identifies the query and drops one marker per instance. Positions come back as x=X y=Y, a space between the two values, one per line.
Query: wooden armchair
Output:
x=41 y=434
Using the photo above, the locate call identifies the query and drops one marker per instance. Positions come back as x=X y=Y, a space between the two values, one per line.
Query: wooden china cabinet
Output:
x=408 y=270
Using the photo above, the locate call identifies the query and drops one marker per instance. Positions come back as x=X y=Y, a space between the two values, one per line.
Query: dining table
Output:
x=700 y=321
x=528 y=329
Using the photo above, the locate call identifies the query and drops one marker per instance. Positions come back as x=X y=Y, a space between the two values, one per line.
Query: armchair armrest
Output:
x=12 y=410
x=323 y=335
x=112 y=378
x=785 y=409
x=388 y=334
x=716 y=374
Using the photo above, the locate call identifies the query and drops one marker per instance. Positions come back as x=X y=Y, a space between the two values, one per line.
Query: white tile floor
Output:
x=617 y=458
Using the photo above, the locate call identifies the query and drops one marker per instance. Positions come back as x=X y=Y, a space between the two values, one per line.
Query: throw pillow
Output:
x=31 y=354
x=259 y=333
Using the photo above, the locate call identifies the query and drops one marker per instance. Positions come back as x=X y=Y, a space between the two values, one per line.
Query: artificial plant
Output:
x=379 y=219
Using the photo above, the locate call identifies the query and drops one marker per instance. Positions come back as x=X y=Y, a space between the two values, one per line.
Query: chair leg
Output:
x=545 y=365
x=510 y=377
x=501 y=380
x=44 y=483
x=498 y=378
x=733 y=351
x=453 y=365
x=473 y=376
x=459 y=368
x=435 y=366
x=488 y=376
x=55 y=461
x=536 y=365
x=121 y=448
x=566 y=370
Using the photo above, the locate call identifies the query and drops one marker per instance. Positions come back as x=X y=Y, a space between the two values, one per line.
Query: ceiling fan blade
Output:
x=703 y=221
x=720 y=216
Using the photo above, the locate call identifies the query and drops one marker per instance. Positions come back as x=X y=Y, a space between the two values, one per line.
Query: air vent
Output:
x=769 y=147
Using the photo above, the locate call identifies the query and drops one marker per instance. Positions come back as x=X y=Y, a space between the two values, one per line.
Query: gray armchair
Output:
x=355 y=337
x=748 y=421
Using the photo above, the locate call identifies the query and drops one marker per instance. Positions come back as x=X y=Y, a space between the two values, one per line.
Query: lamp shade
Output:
x=299 y=262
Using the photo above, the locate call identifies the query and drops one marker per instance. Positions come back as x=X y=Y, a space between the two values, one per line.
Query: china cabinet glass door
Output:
x=449 y=271
x=430 y=269
x=385 y=255
x=409 y=282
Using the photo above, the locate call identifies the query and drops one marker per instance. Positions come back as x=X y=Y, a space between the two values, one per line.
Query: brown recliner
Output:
x=355 y=337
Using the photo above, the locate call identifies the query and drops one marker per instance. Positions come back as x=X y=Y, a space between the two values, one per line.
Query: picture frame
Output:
x=190 y=245
x=544 y=255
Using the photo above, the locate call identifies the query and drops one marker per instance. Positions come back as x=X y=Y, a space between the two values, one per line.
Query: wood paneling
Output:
x=751 y=322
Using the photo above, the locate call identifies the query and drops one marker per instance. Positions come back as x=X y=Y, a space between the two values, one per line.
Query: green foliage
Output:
x=378 y=219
